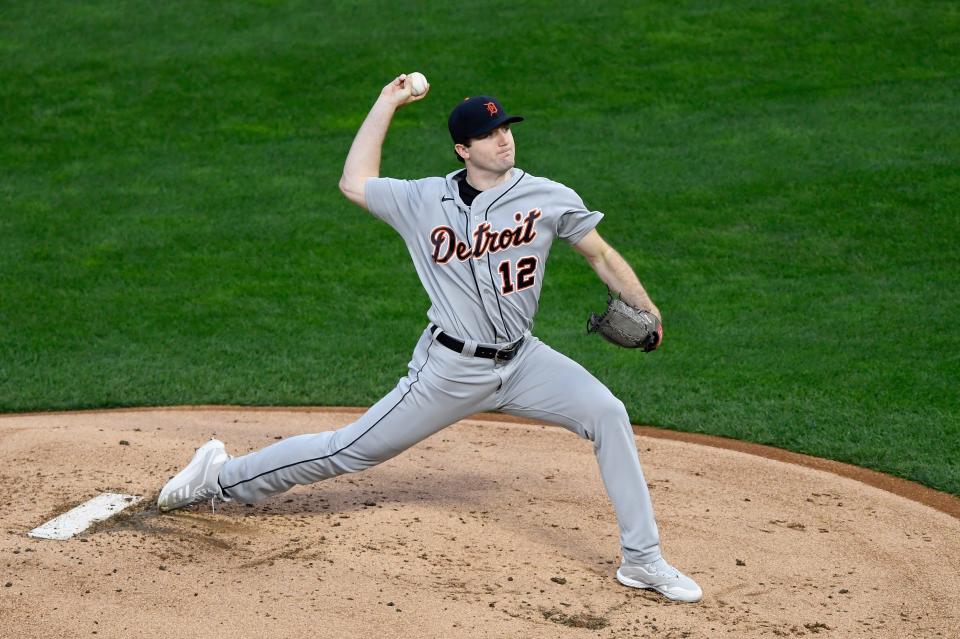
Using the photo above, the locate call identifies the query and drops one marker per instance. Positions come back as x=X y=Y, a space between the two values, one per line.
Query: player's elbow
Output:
x=600 y=266
x=596 y=262
x=352 y=189
x=347 y=186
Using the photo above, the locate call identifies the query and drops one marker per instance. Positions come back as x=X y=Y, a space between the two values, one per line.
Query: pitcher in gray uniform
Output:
x=479 y=238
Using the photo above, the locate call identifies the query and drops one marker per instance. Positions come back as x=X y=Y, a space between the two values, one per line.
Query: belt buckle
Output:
x=507 y=353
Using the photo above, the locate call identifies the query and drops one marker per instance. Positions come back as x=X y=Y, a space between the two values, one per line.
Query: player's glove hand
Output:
x=626 y=326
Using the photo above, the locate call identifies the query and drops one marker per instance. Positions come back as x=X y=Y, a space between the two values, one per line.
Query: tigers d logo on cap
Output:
x=477 y=115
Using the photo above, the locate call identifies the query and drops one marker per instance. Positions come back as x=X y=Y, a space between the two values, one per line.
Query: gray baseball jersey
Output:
x=482 y=266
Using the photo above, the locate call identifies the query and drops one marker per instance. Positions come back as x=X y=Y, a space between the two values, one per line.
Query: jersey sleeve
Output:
x=575 y=220
x=396 y=202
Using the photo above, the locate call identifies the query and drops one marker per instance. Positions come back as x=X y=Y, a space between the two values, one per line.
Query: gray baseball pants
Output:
x=442 y=387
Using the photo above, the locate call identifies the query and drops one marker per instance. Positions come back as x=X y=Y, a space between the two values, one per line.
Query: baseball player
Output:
x=479 y=238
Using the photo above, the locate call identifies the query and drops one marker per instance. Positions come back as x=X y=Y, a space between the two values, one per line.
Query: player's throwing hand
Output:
x=406 y=88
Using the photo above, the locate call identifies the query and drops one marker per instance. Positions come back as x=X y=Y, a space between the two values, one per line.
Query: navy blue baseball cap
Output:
x=477 y=115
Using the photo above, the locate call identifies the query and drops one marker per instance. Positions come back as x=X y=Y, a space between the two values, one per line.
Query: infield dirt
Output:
x=488 y=529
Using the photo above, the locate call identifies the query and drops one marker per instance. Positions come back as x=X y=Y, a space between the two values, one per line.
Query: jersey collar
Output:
x=486 y=197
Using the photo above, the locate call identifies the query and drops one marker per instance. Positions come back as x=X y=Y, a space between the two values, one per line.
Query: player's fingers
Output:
x=394 y=85
x=414 y=98
x=398 y=91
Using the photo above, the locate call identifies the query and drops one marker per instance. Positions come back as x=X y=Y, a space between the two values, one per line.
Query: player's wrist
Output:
x=387 y=103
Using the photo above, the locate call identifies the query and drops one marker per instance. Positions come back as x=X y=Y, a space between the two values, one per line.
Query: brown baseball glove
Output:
x=626 y=326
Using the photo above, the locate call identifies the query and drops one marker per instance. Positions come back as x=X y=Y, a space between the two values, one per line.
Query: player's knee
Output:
x=611 y=413
x=355 y=465
x=355 y=461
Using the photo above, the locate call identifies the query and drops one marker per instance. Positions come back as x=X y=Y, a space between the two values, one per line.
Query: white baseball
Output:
x=418 y=83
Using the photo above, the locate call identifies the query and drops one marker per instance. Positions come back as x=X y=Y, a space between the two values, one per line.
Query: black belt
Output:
x=500 y=355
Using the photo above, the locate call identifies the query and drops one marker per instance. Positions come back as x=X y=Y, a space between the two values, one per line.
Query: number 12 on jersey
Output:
x=526 y=271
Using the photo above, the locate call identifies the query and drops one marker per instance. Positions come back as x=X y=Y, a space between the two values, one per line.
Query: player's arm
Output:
x=614 y=271
x=363 y=160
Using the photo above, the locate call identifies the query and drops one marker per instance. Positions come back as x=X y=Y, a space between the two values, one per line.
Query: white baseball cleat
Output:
x=198 y=481
x=662 y=577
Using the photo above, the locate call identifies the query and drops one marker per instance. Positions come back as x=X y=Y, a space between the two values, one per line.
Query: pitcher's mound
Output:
x=488 y=529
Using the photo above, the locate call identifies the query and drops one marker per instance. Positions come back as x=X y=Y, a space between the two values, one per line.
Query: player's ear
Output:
x=462 y=151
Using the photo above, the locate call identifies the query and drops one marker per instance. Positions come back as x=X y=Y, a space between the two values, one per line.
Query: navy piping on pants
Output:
x=224 y=489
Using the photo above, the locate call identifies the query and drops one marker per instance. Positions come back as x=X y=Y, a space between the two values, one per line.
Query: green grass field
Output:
x=782 y=175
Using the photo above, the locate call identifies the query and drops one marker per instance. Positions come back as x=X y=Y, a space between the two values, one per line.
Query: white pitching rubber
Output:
x=73 y=522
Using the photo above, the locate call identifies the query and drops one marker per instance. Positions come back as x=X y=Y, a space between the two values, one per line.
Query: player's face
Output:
x=493 y=152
